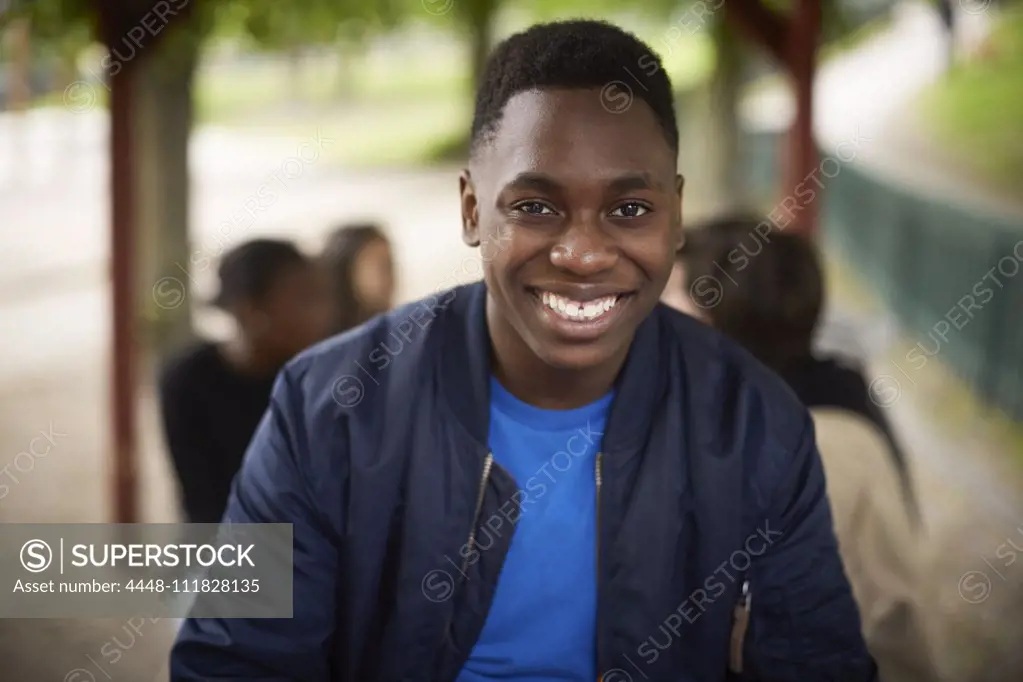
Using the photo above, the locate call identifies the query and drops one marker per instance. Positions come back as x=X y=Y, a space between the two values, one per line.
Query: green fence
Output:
x=952 y=275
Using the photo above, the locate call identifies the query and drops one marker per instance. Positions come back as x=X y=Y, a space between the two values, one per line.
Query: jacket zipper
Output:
x=599 y=479
x=488 y=464
x=740 y=624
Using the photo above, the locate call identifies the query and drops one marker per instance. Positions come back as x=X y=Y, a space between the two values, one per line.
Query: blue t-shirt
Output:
x=542 y=623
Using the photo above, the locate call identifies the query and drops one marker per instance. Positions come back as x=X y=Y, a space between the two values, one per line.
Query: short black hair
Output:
x=248 y=271
x=771 y=285
x=577 y=54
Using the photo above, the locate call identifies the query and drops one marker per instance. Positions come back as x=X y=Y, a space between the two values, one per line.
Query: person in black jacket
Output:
x=545 y=475
x=213 y=395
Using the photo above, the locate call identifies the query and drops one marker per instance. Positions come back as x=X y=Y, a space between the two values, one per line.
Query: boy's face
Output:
x=578 y=212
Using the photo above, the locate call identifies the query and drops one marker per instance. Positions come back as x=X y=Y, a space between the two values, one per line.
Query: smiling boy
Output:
x=560 y=479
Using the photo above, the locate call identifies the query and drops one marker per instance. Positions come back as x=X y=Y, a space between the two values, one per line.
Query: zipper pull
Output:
x=740 y=622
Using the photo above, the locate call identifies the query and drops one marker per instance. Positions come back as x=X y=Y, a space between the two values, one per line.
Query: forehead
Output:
x=569 y=134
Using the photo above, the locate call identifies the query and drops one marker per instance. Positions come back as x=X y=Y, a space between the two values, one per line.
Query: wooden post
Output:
x=792 y=41
x=802 y=160
x=117 y=19
x=122 y=250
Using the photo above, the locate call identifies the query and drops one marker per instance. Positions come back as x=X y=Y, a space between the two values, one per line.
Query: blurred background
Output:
x=141 y=140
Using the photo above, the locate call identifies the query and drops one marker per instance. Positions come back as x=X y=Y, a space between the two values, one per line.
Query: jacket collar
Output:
x=466 y=361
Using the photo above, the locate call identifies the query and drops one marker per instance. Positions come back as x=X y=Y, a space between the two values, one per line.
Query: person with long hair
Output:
x=765 y=289
x=360 y=270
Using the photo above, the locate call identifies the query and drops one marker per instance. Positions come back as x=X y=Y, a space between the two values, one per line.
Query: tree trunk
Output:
x=163 y=123
x=726 y=89
x=20 y=93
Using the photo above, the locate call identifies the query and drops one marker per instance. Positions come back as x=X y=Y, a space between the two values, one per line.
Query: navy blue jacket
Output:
x=375 y=448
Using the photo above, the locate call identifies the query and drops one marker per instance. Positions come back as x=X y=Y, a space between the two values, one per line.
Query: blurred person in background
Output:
x=431 y=543
x=213 y=395
x=360 y=271
x=768 y=293
x=772 y=305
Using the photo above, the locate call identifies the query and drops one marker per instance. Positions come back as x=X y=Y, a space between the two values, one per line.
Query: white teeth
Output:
x=578 y=310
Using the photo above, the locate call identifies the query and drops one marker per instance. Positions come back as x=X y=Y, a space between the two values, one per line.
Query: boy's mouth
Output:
x=579 y=311
x=580 y=317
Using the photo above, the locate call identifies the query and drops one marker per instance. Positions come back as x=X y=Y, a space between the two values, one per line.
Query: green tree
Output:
x=162 y=54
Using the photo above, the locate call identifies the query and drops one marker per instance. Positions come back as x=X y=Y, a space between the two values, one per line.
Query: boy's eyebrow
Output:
x=628 y=182
x=531 y=180
x=632 y=182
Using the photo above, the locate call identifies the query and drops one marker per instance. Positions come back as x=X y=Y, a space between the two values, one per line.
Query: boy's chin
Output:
x=576 y=357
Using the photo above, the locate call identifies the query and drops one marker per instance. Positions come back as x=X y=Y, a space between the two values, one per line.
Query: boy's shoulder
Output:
x=734 y=389
x=383 y=350
x=701 y=346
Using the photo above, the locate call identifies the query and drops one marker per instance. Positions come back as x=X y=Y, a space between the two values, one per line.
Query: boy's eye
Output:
x=630 y=210
x=534 y=208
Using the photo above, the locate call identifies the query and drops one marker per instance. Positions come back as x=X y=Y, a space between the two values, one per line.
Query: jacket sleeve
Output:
x=273 y=486
x=804 y=624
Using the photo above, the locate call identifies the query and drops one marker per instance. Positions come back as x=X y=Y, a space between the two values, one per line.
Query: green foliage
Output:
x=980 y=106
x=652 y=9
x=63 y=28
x=54 y=21
x=271 y=24
x=274 y=24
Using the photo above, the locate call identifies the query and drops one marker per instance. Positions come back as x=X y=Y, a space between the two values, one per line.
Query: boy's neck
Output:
x=550 y=388
x=537 y=383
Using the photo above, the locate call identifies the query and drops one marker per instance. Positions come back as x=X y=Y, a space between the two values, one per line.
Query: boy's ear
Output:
x=470 y=209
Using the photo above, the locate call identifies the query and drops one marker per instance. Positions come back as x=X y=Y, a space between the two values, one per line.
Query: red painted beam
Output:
x=114 y=20
x=123 y=303
x=802 y=165
x=128 y=25
x=792 y=40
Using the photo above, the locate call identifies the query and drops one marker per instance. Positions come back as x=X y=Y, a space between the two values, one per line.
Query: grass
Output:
x=231 y=94
x=978 y=109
